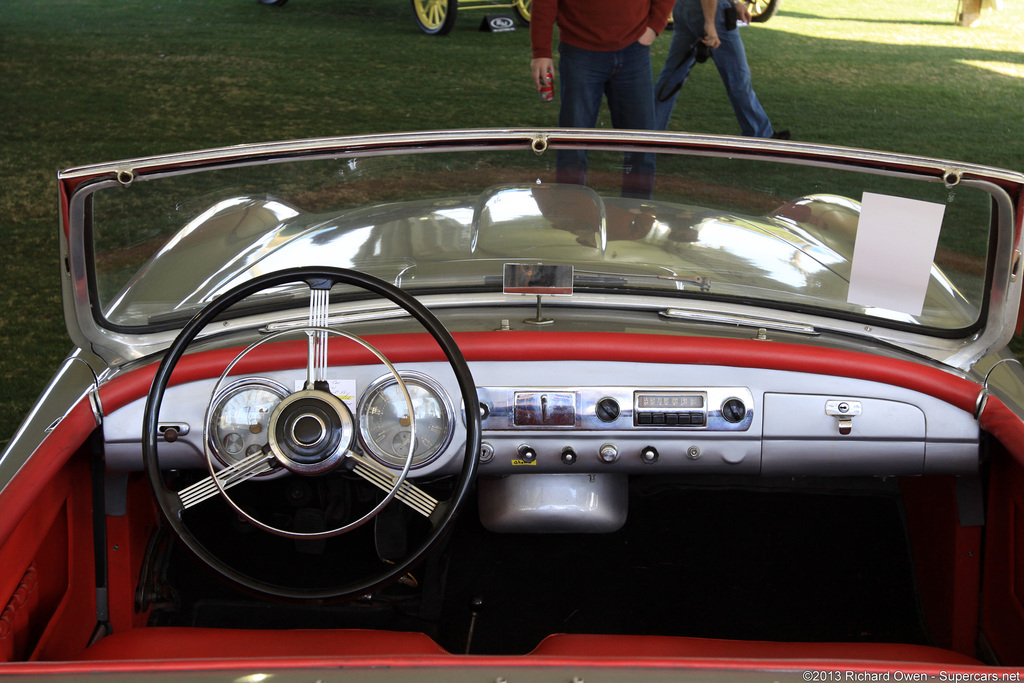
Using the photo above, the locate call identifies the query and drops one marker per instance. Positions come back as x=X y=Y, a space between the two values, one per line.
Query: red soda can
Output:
x=547 y=88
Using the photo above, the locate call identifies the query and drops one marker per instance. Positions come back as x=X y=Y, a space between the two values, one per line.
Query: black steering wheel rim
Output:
x=168 y=501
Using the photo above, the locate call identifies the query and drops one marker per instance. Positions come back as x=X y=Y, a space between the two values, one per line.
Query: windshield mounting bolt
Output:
x=952 y=177
x=762 y=334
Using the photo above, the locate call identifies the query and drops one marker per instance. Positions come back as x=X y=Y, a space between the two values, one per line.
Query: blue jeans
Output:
x=624 y=77
x=729 y=57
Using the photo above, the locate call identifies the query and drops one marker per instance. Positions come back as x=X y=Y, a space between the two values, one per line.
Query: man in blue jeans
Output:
x=604 y=51
x=704 y=21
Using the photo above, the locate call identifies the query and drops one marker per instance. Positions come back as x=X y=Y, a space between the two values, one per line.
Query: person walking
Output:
x=709 y=26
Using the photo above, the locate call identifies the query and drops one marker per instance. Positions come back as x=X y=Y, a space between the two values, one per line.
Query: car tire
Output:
x=435 y=17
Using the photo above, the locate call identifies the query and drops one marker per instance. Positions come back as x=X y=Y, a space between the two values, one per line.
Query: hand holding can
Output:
x=547 y=88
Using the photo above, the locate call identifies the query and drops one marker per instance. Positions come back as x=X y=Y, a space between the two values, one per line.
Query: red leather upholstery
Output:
x=571 y=645
x=215 y=643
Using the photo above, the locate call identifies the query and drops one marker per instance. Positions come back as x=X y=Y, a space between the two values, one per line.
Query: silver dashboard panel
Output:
x=786 y=429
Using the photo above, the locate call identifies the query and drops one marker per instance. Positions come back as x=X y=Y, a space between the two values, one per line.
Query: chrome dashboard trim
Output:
x=503 y=402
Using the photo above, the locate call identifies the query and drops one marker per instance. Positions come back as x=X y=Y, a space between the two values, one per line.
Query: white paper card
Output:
x=894 y=252
x=345 y=389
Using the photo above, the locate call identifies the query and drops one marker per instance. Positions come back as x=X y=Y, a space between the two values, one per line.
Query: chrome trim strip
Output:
x=524 y=138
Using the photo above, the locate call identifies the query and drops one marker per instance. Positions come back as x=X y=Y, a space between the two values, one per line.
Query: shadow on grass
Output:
x=860 y=20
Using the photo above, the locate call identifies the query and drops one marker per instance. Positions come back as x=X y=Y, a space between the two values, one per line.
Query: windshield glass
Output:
x=829 y=241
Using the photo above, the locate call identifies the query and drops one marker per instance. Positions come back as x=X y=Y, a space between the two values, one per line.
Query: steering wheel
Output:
x=311 y=432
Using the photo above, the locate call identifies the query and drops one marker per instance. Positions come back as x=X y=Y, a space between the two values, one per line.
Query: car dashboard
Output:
x=561 y=437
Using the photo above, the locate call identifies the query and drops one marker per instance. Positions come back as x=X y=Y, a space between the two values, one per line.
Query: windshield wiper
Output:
x=596 y=277
x=740 y=320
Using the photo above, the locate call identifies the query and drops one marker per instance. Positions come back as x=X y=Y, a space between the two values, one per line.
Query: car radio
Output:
x=616 y=408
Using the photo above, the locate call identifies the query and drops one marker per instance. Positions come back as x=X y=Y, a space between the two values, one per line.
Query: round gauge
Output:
x=238 y=424
x=384 y=424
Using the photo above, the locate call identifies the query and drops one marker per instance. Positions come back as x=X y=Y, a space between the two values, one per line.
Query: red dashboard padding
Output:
x=1006 y=426
x=171 y=643
x=571 y=346
x=618 y=646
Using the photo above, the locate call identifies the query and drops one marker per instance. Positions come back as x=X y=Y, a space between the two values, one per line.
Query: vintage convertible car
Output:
x=526 y=405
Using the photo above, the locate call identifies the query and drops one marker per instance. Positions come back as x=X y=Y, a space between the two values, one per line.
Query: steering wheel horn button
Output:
x=310 y=431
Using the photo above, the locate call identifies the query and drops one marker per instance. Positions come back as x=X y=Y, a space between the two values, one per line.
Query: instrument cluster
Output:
x=240 y=418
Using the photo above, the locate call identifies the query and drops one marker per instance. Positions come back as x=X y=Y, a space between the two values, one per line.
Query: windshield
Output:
x=892 y=250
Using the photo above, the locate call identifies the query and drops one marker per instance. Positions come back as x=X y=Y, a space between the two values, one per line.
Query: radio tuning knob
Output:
x=609 y=453
x=733 y=410
x=607 y=410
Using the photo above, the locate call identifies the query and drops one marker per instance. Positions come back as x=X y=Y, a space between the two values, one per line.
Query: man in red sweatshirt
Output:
x=604 y=51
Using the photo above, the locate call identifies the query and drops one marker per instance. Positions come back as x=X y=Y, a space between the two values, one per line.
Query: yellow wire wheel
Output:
x=763 y=10
x=436 y=17
x=522 y=8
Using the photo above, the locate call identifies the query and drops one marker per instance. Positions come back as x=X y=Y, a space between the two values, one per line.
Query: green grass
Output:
x=96 y=80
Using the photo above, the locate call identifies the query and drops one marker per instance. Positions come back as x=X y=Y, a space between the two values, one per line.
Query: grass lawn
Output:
x=96 y=80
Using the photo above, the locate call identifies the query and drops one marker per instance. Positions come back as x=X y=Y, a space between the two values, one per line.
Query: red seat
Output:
x=588 y=646
x=216 y=643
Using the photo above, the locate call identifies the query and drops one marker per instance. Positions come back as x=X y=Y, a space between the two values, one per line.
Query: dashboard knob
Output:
x=733 y=410
x=527 y=453
x=649 y=455
x=607 y=410
x=569 y=455
x=609 y=453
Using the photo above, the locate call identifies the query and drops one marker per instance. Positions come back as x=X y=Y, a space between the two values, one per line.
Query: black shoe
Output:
x=780 y=135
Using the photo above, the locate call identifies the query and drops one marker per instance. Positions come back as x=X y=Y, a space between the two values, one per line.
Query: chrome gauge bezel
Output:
x=231 y=391
x=415 y=382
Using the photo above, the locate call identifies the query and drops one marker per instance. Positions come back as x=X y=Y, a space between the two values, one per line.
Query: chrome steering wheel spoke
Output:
x=319 y=312
x=241 y=471
x=384 y=479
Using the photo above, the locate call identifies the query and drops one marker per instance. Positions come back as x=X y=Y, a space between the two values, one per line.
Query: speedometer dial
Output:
x=384 y=424
x=237 y=426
